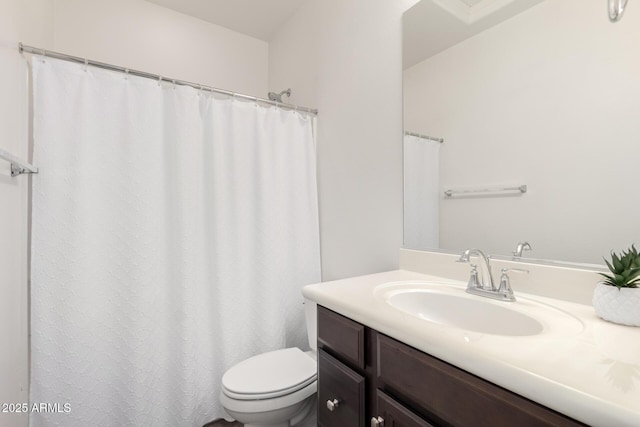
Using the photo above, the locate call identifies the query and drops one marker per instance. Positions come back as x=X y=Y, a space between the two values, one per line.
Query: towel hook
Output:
x=616 y=9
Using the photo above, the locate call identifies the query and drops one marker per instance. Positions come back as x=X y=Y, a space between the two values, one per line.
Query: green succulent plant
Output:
x=625 y=269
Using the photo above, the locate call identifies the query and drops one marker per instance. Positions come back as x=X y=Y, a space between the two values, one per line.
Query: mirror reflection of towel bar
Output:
x=492 y=190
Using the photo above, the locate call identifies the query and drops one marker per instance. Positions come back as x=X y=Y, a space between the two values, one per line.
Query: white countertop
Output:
x=590 y=372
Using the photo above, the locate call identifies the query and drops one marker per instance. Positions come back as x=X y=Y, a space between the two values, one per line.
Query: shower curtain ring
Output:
x=86 y=64
x=126 y=74
x=160 y=81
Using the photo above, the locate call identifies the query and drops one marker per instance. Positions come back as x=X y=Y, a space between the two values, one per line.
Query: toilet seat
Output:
x=232 y=405
x=270 y=375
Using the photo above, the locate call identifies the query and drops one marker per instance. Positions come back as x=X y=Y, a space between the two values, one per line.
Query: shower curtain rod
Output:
x=39 y=51
x=431 y=138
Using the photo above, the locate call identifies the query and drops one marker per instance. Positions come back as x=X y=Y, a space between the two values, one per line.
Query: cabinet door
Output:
x=341 y=394
x=454 y=397
x=341 y=336
x=393 y=414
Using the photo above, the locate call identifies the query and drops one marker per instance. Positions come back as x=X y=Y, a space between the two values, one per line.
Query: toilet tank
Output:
x=311 y=318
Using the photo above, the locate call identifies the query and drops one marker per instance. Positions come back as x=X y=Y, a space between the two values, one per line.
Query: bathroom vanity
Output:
x=383 y=366
x=365 y=375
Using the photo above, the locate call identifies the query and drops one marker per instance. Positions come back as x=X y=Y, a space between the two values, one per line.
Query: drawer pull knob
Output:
x=332 y=404
x=377 y=422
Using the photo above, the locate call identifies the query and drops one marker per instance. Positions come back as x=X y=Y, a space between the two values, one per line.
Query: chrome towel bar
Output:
x=479 y=191
x=18 y=167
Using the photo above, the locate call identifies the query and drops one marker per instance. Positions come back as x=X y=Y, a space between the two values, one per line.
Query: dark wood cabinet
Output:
x=341 y=336
x=390 y=413
x=450 y=396
x=343 y=377
x=341 y=394
x=379 y=381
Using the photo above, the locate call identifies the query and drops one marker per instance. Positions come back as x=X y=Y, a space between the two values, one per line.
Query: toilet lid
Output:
x=271 y=374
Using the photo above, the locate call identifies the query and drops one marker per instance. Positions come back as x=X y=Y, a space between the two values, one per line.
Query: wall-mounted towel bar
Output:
x=18 y=167
x=481 y=191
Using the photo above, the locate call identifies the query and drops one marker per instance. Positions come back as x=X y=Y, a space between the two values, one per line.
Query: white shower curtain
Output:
x=421 y=193
x=172 y=234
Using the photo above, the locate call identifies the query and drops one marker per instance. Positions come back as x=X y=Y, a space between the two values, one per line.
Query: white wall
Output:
x=551 y=99
x=147 y=37
x=27 y=21
x=344 y=57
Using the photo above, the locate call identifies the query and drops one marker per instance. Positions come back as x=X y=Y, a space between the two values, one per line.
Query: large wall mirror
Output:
x=542 y=94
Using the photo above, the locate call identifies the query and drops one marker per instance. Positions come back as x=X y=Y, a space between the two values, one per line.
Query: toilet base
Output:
x=295 y=419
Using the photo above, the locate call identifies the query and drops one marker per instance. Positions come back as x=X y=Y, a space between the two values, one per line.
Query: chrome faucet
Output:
x=486 y=281
x=484 y=286
x=522 y=246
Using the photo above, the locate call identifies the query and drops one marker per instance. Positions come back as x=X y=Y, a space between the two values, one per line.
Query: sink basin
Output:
x=466 y=313
x=451 y=306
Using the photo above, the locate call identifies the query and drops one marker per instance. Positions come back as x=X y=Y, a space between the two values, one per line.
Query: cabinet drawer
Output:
x=336 y=382
x=393 y=414
x=452 y=396
x=341 y=336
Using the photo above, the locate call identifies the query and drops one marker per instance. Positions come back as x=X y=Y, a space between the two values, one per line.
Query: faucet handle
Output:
x=473 y=278
x=505 y=285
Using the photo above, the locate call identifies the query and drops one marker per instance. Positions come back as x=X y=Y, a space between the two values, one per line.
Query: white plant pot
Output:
x=617 y=305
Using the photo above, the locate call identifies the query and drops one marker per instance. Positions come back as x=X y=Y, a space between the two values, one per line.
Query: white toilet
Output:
x=277 y=388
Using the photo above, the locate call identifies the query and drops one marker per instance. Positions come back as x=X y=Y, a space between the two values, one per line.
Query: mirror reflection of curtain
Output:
x=172 y=235
x=421 y=193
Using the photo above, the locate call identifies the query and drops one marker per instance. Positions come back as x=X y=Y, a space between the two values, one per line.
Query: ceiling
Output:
x=432 y=26
x=256 y=18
